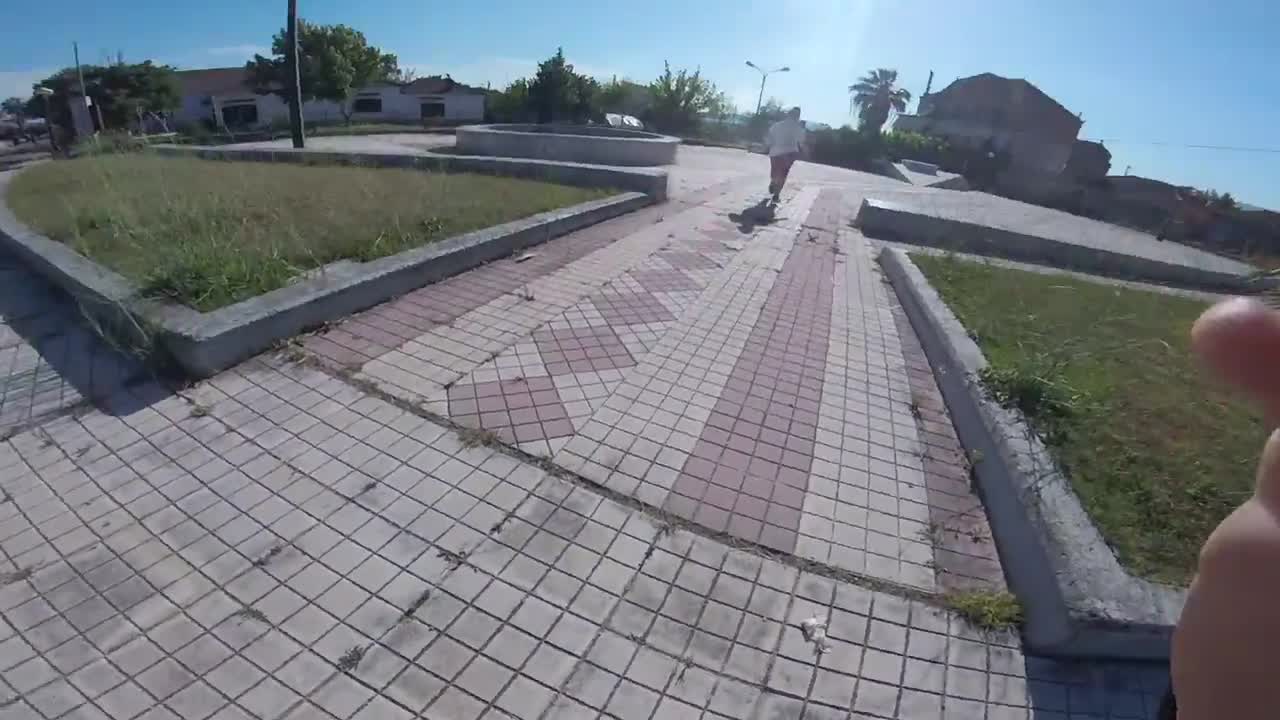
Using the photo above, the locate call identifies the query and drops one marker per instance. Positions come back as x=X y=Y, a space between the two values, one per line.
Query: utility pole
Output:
x=75 y=48
x=294 y=76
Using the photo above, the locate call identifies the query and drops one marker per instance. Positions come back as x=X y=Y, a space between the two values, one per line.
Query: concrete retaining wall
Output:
x=650 y=181
x=204 y=343
x=878 y=218
x=1078 y=600
x=595 y=145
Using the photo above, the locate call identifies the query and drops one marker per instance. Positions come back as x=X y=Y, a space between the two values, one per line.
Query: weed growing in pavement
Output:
x=351 y=658
x=252 y=613
x=987 y=609
x=474 y=437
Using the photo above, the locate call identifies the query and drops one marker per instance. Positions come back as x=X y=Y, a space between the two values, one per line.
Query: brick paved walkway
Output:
x=735 y=427
x=744 y=375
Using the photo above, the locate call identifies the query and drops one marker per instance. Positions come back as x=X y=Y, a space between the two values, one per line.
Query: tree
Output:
x=558 y=93
x=1214 y=200
x=510 y=105
x=625 y=97
x=770 y=112
x=333 y=62
x=681 y=98
x=14 y=106
x=875 y=95
x=586 y=92
x=121 y=91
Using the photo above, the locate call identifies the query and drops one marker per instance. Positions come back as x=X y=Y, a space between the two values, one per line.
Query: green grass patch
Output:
x=987 y=609
x=1157 y=453
x=211 y=233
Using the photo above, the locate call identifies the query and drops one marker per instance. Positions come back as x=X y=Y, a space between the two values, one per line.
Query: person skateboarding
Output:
x=784 y=141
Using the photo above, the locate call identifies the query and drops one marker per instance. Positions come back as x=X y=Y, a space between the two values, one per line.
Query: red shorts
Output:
x=780 y=165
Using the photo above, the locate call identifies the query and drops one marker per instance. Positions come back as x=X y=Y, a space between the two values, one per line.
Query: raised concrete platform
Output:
x=919 y=174
x=1077 y=598
x=202 y=343
x=988 y=225
x=576 y=143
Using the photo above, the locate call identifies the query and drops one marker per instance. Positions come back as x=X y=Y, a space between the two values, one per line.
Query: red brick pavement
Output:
x=369 y=334
x=749 y=470
x=964 y=553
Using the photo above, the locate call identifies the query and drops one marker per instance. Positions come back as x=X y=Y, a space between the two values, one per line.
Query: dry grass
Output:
x=208 y=234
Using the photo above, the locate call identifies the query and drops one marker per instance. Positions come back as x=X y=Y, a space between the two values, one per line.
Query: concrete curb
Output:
x=879 y=218
x=204 y=343
x=650 y=181
x=1078 y=601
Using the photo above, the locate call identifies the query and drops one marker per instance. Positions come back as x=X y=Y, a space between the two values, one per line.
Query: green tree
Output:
x=14 y=106
x=770 y=112
x=334 y=61
x=510 y=105
x=558 y=93
x=1214 y=200
x=681 y=98
x=875 y=95
x=625 y=97
x=121 y=91
x=586 y=96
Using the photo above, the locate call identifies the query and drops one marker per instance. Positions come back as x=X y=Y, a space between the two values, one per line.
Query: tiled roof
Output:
x=214 y=81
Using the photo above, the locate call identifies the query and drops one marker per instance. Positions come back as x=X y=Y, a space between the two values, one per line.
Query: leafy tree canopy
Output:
x=681 y=98
x=121 y=91
x=875 y=95
x=558 y=93
x=333 y=62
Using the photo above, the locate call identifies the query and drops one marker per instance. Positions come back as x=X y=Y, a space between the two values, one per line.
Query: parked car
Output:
x=626 y=122
x=16 y=132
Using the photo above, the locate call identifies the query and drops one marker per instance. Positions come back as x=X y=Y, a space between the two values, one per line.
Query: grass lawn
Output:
x=1157 y=454
x=210 y=233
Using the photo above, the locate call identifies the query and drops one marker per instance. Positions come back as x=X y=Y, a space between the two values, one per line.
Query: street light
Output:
x=46 y=93
x=764 y=75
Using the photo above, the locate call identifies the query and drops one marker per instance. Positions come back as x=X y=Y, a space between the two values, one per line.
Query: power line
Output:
x=1230 y=148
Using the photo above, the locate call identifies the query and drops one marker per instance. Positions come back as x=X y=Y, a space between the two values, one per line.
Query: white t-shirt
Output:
x=785 y=136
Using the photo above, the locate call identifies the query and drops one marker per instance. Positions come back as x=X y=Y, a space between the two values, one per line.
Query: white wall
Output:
x=396 y=106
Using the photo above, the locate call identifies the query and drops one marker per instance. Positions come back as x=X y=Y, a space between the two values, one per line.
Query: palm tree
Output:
x=875 y=95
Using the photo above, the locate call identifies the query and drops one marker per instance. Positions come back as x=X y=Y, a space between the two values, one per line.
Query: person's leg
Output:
x=784 y=169
x=775 y=173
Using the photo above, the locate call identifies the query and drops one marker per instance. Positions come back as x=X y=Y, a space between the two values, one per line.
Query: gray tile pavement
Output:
x=275 y=543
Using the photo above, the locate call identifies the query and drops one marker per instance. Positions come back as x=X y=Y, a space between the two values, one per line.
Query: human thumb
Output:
x=1238 y=340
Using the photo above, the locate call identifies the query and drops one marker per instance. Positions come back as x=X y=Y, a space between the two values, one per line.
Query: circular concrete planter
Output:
x=593 y=144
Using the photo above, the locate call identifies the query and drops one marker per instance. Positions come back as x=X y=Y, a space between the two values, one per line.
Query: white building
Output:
x=223 y=96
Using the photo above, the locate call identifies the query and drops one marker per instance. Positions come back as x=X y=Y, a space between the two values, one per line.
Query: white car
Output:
x=626 y=122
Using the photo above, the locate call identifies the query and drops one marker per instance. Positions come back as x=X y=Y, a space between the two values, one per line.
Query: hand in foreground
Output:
x=1227 y=641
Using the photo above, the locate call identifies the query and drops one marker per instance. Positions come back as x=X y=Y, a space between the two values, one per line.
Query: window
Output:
x=432 y=109
x=367 y=105
x=240 y=115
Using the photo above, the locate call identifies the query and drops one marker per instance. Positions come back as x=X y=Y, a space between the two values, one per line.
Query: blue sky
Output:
x=1150 y=77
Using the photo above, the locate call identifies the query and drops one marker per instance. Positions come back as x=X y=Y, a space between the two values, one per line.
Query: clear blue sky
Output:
x=1142 y=72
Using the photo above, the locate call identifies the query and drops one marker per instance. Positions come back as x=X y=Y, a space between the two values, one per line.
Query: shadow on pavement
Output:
x=51 y=360
x=1076 y=689
x=747 y=219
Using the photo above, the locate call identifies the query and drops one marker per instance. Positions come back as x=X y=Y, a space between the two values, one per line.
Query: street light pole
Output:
x=294 y=73
x=764 y=75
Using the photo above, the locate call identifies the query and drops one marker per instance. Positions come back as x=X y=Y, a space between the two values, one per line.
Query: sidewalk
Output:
x=321 y=535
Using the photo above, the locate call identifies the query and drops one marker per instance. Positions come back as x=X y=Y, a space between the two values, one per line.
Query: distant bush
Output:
x=900 y=145
x=844 y=147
